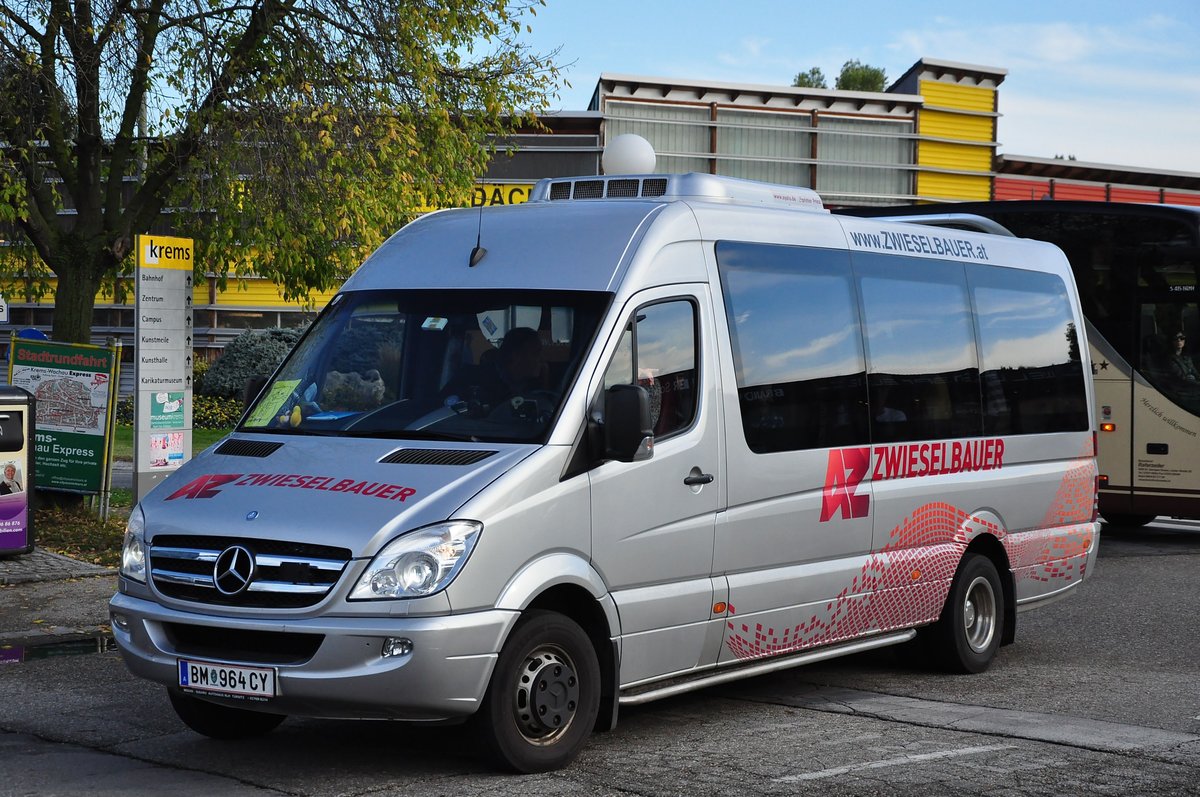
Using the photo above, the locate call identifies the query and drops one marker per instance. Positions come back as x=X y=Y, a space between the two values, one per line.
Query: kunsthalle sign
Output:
x=163 y=324
x=75 y=385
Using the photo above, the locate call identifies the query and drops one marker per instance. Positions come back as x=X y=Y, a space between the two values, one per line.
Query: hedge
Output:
x=207 y=412
x=254 y=353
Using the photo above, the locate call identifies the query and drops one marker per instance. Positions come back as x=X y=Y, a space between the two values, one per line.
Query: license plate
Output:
x=227 y=679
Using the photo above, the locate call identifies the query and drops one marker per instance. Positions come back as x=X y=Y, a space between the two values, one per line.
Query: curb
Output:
x=43 y=565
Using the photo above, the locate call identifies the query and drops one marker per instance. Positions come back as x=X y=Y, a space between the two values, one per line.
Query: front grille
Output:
x=560 y=191
x=288 y=575
x=232 y=644
x=433 y=456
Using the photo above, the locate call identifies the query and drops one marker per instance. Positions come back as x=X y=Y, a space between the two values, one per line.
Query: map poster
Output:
x=75 y=387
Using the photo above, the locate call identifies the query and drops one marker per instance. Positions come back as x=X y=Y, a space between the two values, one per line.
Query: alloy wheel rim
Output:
x=979 y=614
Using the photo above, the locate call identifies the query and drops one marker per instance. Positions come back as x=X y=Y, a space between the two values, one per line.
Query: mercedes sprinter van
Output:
x=641 y=435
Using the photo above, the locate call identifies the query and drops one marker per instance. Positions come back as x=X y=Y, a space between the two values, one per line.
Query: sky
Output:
x=1107 y=82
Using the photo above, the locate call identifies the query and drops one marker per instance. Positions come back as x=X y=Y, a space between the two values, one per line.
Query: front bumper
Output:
x=444 y=677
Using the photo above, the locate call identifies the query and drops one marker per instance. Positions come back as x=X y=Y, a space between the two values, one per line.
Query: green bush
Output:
x=208 y=412
x=125 y=411
x=199 y=369
x=254 y=353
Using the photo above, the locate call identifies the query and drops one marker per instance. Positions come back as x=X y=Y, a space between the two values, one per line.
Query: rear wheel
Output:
x=967 y=636
x=544 y=695
x=221 y=722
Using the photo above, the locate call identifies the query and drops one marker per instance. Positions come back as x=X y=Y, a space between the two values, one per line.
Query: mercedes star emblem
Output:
x=234 y=570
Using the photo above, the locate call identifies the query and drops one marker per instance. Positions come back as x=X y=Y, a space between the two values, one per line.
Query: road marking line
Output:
x=1087 y=734
x=894 y=762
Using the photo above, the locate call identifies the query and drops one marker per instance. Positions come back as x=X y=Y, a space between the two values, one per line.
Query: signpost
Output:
x=163 y=334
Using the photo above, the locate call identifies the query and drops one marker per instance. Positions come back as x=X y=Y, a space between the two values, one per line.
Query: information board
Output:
x=75 y=386
x=163 y=335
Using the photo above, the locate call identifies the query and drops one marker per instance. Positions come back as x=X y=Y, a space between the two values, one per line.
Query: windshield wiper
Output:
x=287 y=431
x=405 y=434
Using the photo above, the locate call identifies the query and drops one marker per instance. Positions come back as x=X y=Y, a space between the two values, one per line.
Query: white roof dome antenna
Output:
x=628 y=153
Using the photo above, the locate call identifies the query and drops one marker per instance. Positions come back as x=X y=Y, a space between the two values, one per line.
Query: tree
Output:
x=812 y=79
x=857 y=76
x=293 y=134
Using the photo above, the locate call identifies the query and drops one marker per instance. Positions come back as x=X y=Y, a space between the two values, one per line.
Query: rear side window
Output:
x=836 y=349
x=1032 y=374
x=797 y=345
x=924 y=375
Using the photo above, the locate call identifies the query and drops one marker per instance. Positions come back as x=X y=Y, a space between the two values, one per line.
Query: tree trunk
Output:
x=78 y=268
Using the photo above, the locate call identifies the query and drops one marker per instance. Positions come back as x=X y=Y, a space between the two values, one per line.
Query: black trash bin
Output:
x=16 y=470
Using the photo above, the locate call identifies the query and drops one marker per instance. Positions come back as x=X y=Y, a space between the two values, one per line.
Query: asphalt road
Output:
x=1099 y=695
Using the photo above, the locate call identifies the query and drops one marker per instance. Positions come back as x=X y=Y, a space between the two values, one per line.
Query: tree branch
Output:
x=147 y=201
x=20 y=22
x=192 y=19
x=54 y=129
x=122 y=149
x=113 y=23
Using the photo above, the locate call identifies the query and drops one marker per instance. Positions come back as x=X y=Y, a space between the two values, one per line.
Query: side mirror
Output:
x=628 y=431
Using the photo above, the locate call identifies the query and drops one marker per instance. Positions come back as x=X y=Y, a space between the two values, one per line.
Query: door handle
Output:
x=695 y=479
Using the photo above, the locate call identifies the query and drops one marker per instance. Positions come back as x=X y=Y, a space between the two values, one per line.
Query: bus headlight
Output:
x=133 y=551
x=418 y=563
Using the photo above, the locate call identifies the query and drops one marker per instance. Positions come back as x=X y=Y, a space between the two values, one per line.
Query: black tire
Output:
x=966 y=637
x=1130 y=521
x=542 y=702
x=221 y=722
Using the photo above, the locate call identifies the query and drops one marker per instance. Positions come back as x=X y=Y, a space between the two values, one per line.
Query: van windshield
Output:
x=487 y=366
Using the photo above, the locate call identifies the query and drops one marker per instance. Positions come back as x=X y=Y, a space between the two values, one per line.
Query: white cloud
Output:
x=1135 y=132
x=1123 y=95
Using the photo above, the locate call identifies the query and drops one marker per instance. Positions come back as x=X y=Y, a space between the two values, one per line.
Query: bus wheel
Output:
x=1132 y=521
x=221 y=722
x=544 y=695
x=967 y=636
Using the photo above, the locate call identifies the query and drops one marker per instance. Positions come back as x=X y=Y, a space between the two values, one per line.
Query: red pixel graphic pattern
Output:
x=1059 y=554
x=906 y=582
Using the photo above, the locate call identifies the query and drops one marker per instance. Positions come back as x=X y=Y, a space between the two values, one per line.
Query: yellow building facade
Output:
x=956 y=128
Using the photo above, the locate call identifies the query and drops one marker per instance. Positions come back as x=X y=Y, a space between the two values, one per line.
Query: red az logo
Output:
x=847 y=467
x=204 y=487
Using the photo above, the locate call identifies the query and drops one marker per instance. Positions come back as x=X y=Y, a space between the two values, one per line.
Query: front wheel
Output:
x=544 y=695
x=219 y=721
x=966 y=637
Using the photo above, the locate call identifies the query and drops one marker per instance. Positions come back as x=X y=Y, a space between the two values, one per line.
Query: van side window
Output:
x=658 y=352
x=797 y=345
x=924 y=374
x=1032 y=377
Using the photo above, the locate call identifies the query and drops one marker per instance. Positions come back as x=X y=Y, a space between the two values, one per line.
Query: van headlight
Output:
x=418 y=563
x=133 y=552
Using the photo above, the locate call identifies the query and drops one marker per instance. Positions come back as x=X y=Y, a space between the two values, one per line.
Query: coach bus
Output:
x=1137 y=268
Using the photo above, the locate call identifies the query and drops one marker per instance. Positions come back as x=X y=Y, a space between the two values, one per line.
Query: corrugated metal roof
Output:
x=1060 y=169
